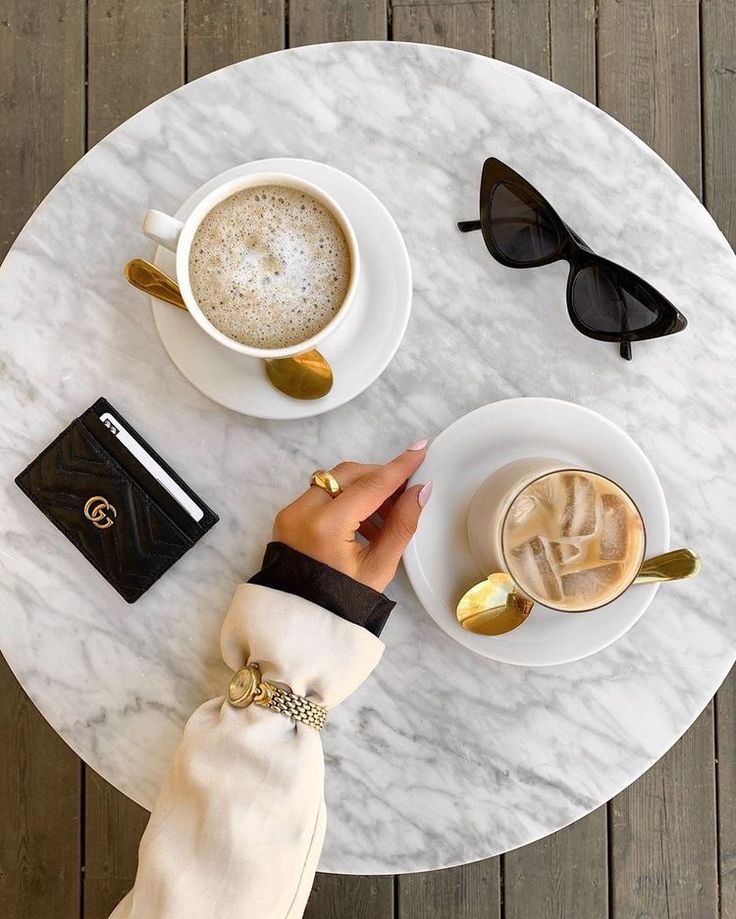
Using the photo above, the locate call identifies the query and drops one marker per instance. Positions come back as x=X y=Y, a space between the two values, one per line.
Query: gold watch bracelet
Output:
x=248 y=686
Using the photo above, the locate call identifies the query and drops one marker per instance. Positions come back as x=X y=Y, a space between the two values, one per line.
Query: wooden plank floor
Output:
x=70 y=71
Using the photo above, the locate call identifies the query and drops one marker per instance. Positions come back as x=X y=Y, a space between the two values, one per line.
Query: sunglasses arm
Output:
x=467 y=226
x=625 y=350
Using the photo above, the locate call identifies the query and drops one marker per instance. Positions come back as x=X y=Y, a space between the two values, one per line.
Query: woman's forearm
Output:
x=239 y=823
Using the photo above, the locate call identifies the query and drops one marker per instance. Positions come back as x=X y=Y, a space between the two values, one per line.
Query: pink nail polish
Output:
x=425 y=494
x=419 y=445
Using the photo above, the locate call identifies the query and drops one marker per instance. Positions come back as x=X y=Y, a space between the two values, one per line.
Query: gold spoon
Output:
x=495 y=606
x=305 y=376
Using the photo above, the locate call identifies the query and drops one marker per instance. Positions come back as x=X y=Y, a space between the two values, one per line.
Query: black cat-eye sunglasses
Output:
x=605 y=301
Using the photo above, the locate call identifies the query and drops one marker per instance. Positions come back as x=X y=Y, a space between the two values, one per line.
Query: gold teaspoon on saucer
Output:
x=495 y=606
x=305 y=376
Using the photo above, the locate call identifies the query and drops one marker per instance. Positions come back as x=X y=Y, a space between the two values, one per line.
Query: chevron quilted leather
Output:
x=142 y=542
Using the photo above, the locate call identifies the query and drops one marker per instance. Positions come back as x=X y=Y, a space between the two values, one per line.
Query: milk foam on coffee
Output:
x=573 y=540
x=269 y=266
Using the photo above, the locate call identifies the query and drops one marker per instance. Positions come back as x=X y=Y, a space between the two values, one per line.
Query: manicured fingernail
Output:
x=419 y=445
x=425 y=494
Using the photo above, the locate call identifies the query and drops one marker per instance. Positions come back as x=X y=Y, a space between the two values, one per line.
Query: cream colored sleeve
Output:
x=239 y=824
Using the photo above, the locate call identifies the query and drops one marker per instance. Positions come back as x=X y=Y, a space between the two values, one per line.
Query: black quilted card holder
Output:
x=109 y=506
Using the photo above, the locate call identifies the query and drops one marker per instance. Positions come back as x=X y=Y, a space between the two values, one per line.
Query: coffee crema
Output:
x=269 y=266
x=573 y=540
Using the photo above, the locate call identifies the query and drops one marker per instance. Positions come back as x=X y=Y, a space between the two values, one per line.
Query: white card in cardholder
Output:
x=149 y=463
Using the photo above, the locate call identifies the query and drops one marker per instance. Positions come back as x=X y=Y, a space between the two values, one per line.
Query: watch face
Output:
x=243 y=687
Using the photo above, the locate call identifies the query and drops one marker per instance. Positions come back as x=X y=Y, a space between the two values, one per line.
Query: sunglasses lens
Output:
x=522 y=225
x=608 y=300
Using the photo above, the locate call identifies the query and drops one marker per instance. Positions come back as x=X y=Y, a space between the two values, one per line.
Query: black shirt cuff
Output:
x=293 y=572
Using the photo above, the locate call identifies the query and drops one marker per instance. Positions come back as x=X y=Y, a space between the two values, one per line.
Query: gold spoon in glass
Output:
x=495 y=606
x=305 y=376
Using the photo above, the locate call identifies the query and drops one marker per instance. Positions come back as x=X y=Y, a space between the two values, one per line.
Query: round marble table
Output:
x=443 y=756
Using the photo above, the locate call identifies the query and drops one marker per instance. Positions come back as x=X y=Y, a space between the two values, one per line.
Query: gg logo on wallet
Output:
x=95 y=510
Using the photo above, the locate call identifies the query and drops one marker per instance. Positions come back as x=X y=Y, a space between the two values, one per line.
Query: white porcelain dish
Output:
x=438 y=560
x=359 y=349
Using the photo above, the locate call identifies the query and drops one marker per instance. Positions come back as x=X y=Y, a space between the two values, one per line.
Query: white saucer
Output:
x=360 y=348
x=438 y=560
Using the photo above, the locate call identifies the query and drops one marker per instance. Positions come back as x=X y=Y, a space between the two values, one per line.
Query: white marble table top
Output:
x=443 y=756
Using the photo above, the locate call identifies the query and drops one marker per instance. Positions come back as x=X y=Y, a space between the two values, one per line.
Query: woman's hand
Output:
x=375 y=503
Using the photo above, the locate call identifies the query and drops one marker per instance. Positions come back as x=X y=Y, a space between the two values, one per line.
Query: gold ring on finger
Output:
x=325 y=480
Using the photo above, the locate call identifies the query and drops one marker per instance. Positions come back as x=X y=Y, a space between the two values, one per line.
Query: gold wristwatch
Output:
x=248 y=686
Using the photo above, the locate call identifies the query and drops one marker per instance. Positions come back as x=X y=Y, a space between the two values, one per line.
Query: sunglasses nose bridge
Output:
x=567 y=254
x=578 y=239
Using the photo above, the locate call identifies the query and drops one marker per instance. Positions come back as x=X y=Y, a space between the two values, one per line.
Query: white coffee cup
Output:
x=177 y=236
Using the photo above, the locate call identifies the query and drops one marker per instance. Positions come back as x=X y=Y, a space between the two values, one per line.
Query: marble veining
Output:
x=442 y=757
